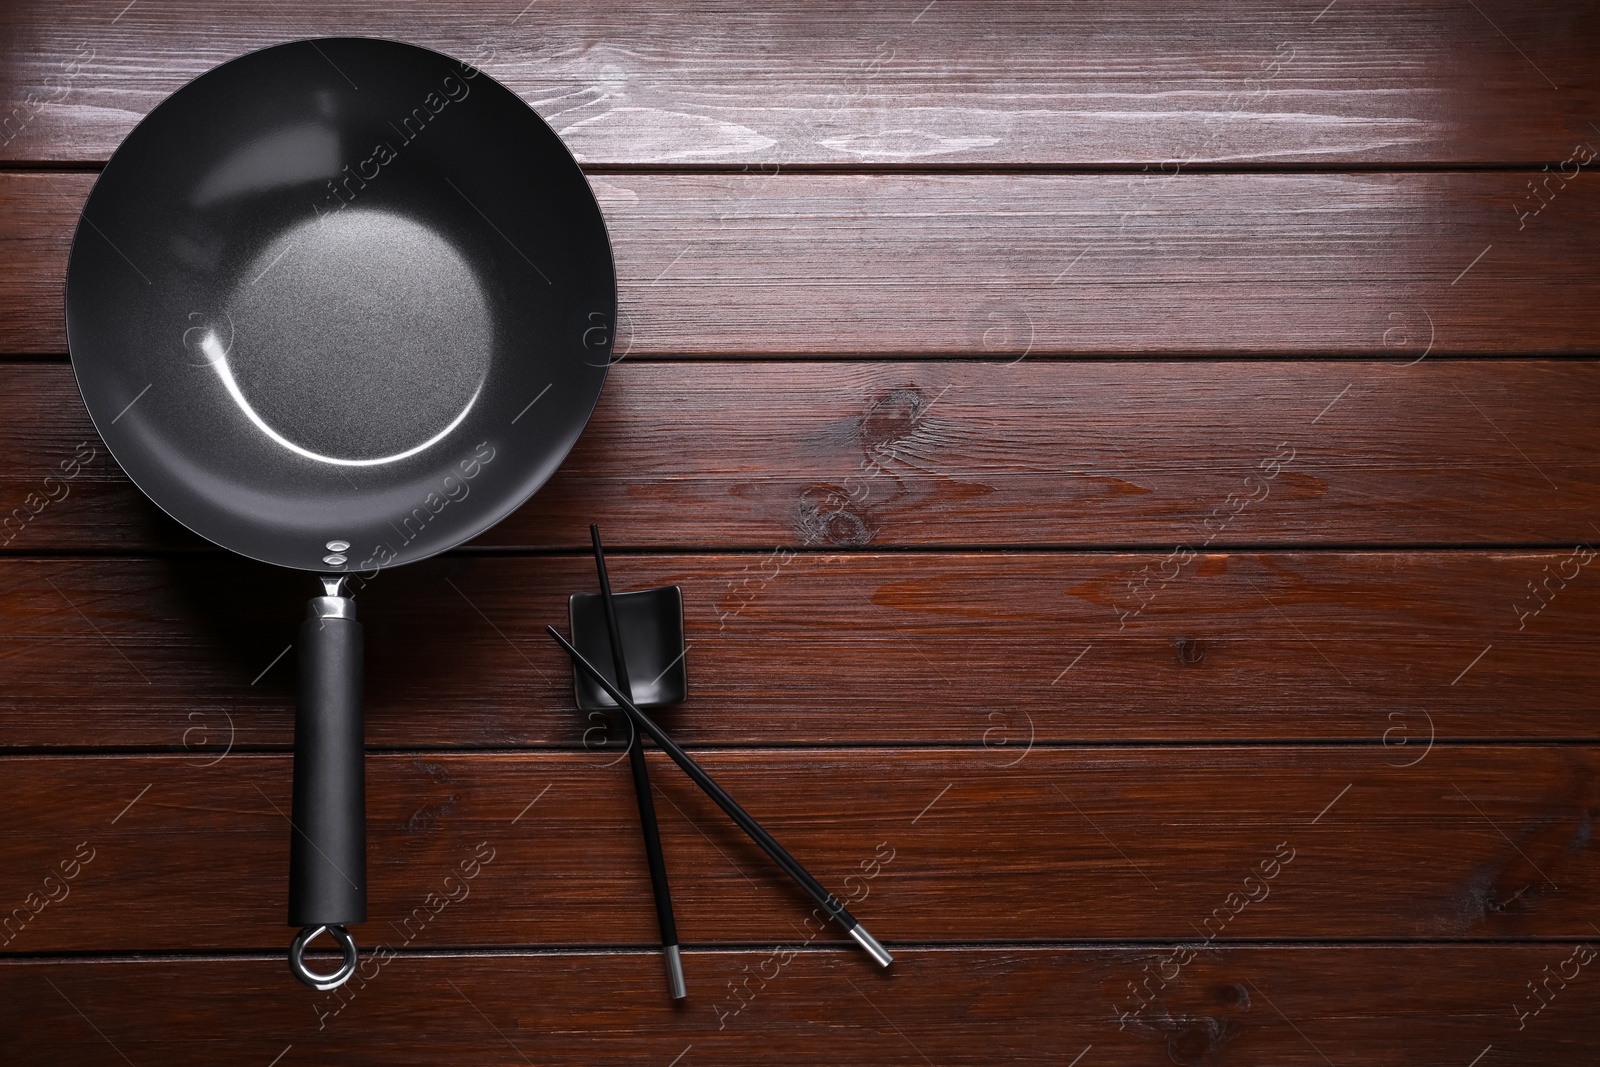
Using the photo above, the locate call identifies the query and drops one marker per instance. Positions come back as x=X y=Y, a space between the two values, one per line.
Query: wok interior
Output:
x=304 y=313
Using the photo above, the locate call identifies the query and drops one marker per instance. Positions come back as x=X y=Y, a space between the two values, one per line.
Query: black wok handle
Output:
x=328 y=850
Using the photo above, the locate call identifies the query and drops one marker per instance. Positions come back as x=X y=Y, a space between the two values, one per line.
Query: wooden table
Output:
x=1131 y=468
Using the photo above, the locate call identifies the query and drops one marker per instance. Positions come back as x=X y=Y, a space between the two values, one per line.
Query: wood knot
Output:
x=827 y=517
x=891 y=419
x=842 y=514
x=1189 y=651
x=425 y=817
x=1195 y=1040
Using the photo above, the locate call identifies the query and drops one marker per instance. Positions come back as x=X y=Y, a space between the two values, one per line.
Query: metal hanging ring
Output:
x=323 y=982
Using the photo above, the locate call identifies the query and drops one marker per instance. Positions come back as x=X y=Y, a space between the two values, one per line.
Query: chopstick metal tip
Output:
x=675 y=972
x=870 y=943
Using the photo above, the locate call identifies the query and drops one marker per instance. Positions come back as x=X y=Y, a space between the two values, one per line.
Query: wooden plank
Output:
x=1357 y=1005
x=999 y=651
x=650 y=82
x=926 y=845
x=1043 y=266
x=757 y=455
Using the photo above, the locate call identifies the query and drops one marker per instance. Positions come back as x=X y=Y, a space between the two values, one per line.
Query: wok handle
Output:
x=328 y=843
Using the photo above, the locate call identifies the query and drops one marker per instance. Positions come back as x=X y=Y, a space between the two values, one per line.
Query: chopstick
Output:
x=791 y=866
x=641 y=788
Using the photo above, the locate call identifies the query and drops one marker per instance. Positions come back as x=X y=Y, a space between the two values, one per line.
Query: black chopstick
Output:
x=830 y=903
x=641 y=788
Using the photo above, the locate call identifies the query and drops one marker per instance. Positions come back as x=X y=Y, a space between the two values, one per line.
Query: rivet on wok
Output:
x=333 y=559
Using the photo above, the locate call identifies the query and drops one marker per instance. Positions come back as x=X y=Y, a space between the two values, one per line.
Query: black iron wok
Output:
x=339 y=305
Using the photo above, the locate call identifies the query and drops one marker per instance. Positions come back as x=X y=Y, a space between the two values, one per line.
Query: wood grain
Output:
x=1107 y=449
x=1243 y=82
x=1286 y=1007
x=1039 y=266
x=927 y=845
x=971 y=454
x=997 y=651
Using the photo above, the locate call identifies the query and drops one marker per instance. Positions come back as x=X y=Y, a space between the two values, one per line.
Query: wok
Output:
x=339 y=305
